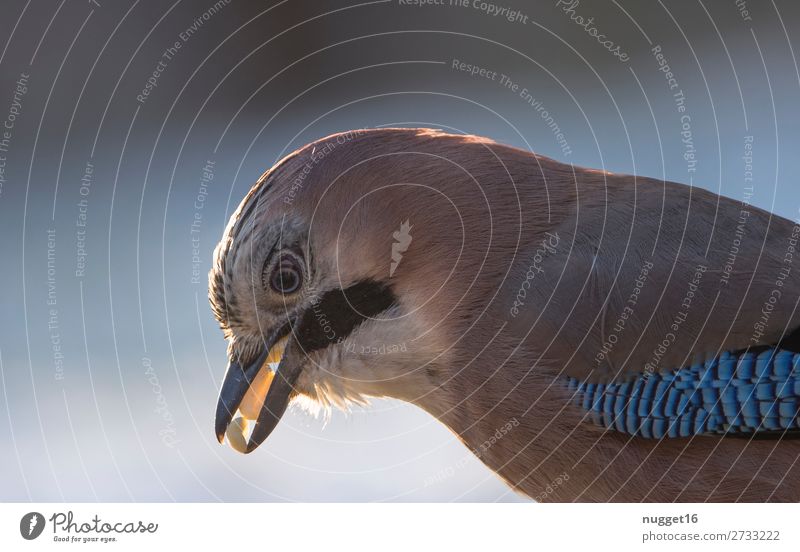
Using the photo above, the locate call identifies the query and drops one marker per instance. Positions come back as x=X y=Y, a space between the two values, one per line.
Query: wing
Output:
x=742 y=394
x=655 y=276
x=660 y=292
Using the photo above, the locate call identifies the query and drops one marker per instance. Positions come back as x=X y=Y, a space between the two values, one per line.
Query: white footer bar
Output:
x=416 y=527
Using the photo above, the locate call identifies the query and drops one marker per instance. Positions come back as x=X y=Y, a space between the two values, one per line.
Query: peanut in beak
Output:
x=253 y=401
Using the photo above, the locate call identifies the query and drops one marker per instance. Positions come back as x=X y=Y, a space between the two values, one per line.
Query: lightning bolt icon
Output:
x=34 y=522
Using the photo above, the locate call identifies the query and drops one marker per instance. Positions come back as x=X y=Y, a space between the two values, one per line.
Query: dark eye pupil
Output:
x=283 y=276
x=285 y=279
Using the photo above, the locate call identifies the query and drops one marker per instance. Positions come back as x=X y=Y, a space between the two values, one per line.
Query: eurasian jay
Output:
x=589 y=336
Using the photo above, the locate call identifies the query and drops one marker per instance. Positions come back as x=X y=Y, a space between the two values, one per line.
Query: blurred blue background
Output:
x=111 y=202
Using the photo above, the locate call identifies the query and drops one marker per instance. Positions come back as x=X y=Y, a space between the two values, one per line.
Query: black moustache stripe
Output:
x=338 y=312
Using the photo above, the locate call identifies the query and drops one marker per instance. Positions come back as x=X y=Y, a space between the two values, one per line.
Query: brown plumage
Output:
x=514 y=274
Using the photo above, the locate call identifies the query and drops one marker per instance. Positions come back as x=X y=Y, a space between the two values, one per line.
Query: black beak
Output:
x=280 y=391
x=234 y=386
x=238 y=379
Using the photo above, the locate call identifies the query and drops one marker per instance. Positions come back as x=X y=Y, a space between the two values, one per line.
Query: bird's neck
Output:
x=504 y=427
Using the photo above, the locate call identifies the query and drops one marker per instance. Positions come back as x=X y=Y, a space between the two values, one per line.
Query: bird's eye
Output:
x=286 y=275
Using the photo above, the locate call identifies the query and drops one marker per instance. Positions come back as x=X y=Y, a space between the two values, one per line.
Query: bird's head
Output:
x=341 y=276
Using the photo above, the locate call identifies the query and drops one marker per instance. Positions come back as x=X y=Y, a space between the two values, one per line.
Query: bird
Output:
x=589 y=336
